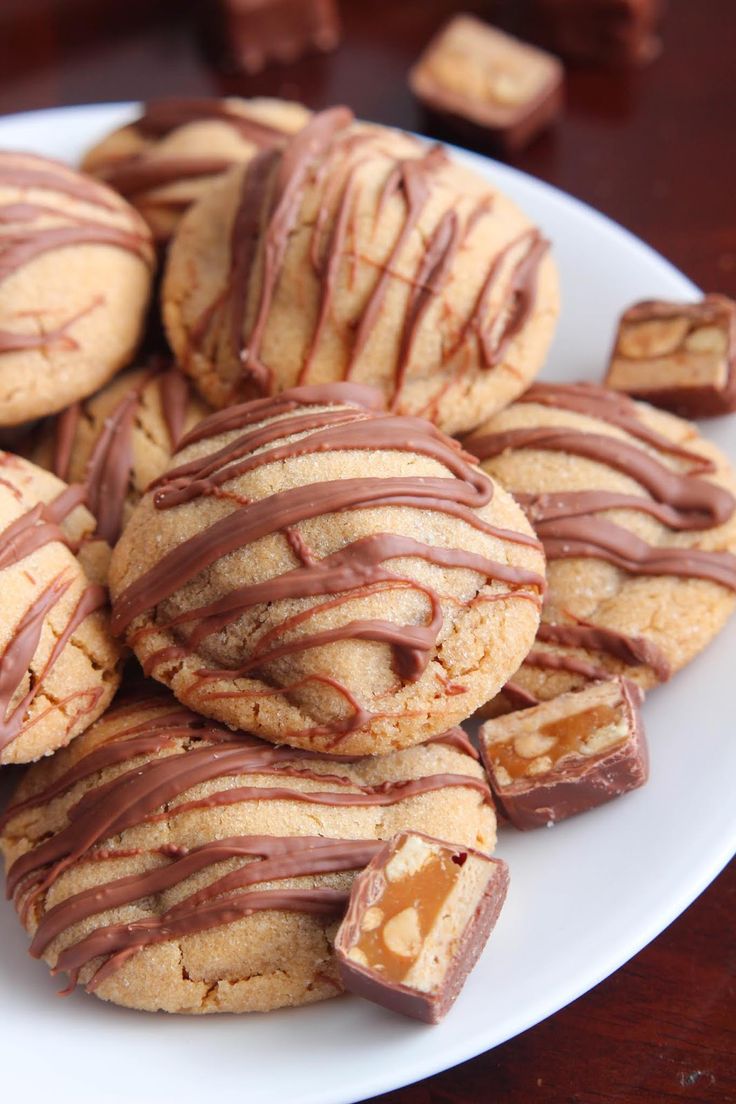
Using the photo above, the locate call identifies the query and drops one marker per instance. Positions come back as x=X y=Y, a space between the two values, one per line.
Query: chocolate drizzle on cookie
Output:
x=568 y=522
x=34 y=529
x=26 y=233
x=107 y=476
x=159 y=753
x=573 y=523
x=137 y=174
x=309 y=421
x=273 y=188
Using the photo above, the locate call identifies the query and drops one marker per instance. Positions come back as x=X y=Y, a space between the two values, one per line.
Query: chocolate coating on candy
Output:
x=155 y=762
x=680 y=356
x=303 y=422
x=487 y=85
x=606 y=32
x=418 y=918
x=250 y=36
x=568 y=755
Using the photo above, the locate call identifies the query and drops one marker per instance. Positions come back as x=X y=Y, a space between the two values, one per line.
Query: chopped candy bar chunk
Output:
x=418 y=918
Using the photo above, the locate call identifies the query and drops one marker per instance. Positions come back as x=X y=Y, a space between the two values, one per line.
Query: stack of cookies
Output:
x=264 y=542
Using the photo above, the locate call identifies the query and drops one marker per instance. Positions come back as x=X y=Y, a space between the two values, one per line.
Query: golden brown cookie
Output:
x=75 y=277
x=58 y=661
x=327 y=575
x=120 y=439
x=206 y=871
x=636 y=513
x=172 y=153
x=361 y=253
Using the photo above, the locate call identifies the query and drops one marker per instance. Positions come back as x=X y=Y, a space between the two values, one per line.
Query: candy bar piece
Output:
x=418 y=918
x=566 y=755
x=606 y=32
x=487 y=84
x=681 y=356
x=256 y=32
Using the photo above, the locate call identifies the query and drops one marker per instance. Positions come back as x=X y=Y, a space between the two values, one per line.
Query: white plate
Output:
x=584 y=897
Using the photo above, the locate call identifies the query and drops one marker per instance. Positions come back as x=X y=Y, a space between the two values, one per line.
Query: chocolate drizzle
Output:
x=412 y=179
x=631 y=650
x=133 y=177
x=272 y=191
x=142 y=172
x=332 y=417
x=291 y=177
x=23 y=238
x=573 y=523
x=35 y=529
x=493 y=338
x=161 y=117
x=567 y=521
x=195 y=752
x=680 y=501
x=107 y=476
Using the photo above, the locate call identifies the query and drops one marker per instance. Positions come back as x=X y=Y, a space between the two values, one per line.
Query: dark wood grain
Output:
x=656 y=150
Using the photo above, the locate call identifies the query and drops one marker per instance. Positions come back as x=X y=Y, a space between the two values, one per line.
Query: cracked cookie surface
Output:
x=167 y=158
x=119 y=440
x=76 y=265
x=58 y=660
x=206 y=871
x=327 y=575
x=636 y=513
x=361 y=253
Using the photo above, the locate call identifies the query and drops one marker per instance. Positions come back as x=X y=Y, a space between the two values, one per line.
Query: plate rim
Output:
x=374 y=1082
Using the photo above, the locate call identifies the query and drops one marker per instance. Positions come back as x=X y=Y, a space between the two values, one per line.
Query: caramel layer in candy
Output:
x=418 y=918
x=253 y=33
x=607 y=32
x=566 y=755
x=488 y=84
x=680 y=356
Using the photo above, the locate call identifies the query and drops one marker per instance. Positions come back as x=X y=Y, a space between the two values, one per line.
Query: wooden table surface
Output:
x=656 y=150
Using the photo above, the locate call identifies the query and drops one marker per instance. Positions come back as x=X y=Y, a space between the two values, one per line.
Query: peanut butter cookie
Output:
x=120 y=439
x=167 y=863
x=361 y=253
x=58 y=661
x=76 y=264
x=169 y=157
x=637 y=515
x=324 y=574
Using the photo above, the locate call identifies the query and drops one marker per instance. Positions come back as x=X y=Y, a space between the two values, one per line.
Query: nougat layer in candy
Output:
x=566 y=755
x=488 y=83
x=609 y=32
x=680 y=356
x=418 y=918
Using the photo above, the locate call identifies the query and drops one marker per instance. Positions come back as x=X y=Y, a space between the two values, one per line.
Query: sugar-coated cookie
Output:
x=361 y=253
x=168 y=157
x=58 y=661
x=120 y=439
x=636 y=512
x=324 y=574
x=167 y=863
x=76 y=265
